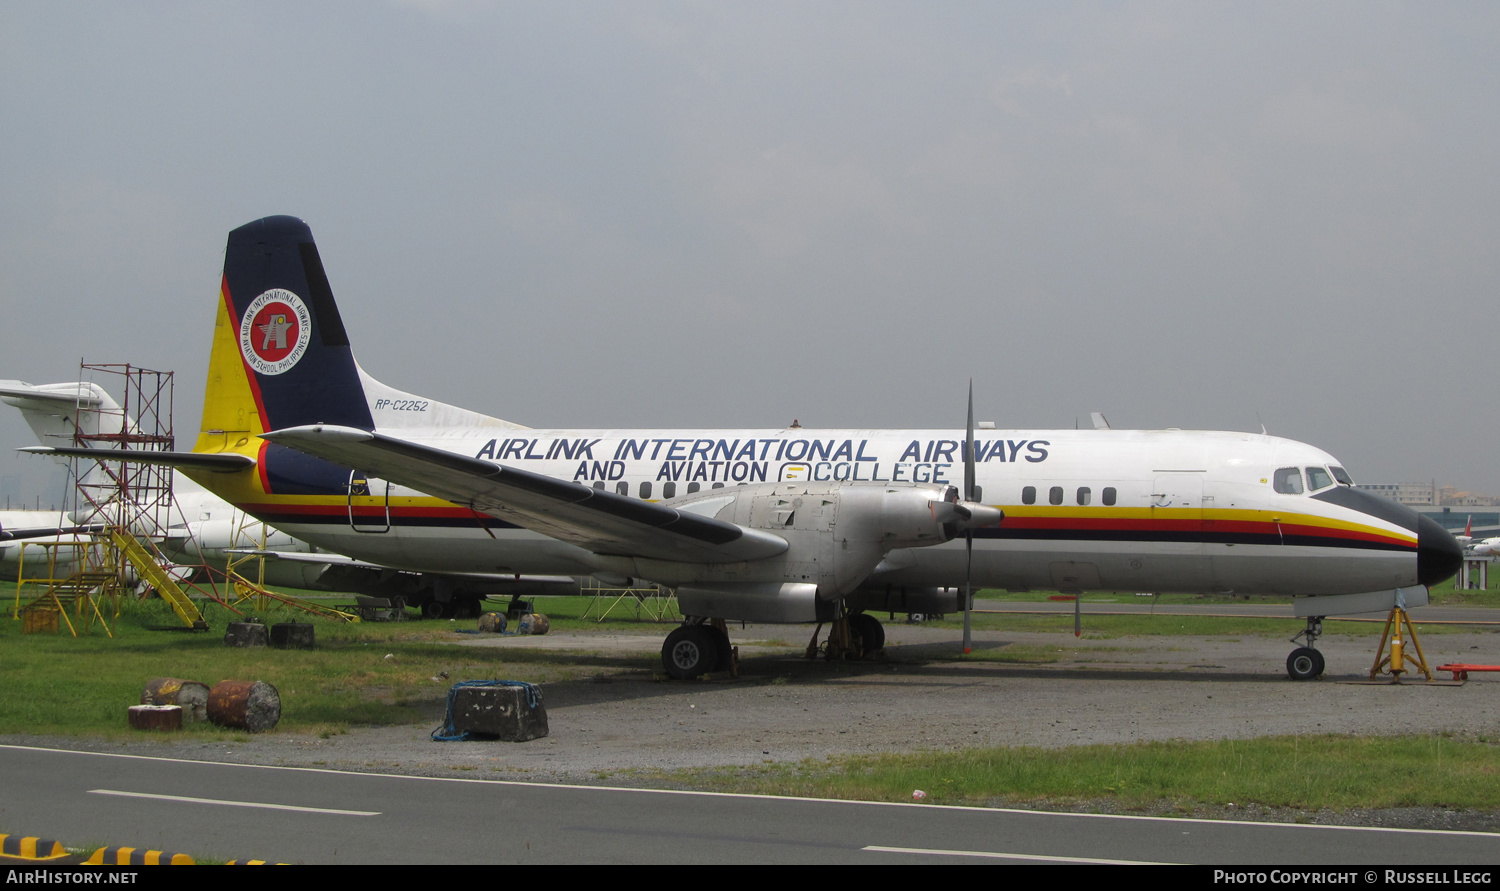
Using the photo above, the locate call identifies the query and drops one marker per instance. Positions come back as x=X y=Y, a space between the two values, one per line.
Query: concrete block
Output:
x=502 y=713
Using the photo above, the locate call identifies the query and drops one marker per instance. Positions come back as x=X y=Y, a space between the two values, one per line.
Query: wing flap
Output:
x=600 y=521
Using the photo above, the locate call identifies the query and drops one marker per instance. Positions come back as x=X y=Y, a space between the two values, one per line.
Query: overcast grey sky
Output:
x=736 y=214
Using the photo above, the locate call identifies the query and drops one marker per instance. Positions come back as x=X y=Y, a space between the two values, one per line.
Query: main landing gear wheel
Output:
x=436 y=609
x=870 y=632
x=1304 y=664
x=690 y=651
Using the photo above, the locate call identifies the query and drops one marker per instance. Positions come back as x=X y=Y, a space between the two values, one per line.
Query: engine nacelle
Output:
x=901 y=599
x=773 y=602
x=836 y=532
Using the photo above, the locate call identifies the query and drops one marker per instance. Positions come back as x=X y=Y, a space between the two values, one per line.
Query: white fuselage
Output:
x=1164 y=510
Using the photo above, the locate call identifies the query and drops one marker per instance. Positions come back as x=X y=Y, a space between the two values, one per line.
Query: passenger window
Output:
x=1342 y=476
x=645 y=490
x=1318 y=478
x=599 y=485
x=1109 y=496
x=692 y=487
x=1288 y=481
x=622 y=488
x=668 y=490
x=717 y=486
x=1028 y=495
x=1084 y=495
x=1054 y=495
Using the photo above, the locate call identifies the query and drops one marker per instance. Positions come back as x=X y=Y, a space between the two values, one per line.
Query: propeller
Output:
x=969 y=532
x=967 y=514
x=977 y=515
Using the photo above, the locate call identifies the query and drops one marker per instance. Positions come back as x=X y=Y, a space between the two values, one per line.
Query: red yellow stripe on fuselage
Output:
x=1022 y=522
x=1227 y=526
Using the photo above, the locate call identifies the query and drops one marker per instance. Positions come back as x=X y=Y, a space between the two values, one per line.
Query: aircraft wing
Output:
x=599 y=521
x=227 y=462
x=323 y=557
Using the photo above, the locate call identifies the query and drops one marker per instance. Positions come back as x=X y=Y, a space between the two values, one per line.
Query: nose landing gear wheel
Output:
x=1304 y=664
x=690 y=651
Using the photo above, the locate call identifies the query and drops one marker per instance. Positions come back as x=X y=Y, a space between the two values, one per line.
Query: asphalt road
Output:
x=304 y=815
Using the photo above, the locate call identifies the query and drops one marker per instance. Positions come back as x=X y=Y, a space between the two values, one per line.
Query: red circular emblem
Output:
x=274 y=331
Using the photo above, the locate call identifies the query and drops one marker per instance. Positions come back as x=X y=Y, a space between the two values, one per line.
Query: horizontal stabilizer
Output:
x=599 y=521
x=49 y=532
x=51 y=396
x=224 y=462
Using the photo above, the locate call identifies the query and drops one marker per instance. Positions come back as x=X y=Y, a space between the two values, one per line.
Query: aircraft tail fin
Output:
x=57 y=413
x=281 y=355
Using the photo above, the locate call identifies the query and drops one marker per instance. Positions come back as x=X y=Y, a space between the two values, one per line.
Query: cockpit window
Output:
x=1318 y=478
x=1289 y=481
x=1342 y=476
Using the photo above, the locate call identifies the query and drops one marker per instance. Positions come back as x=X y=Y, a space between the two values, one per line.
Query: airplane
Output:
x=787 y=525
x=1488 y=547
x=1485 y=547
x=1468 y=537
x=202 y=528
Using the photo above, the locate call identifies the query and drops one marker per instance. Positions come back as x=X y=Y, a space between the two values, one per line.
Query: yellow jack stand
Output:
x=1399 y=660
x=734 y=652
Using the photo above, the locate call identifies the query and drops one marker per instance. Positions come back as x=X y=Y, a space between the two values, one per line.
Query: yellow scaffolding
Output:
x=657 y=603
x=81 y=591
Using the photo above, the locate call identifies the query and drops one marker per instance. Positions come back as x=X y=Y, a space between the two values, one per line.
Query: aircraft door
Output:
x=369 y=503
x=1177 y=512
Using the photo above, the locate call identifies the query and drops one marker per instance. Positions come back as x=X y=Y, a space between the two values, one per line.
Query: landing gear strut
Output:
x=1306 y=663
x=851 y=636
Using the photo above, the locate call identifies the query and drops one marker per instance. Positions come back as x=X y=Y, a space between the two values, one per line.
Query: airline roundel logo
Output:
x=274 y=331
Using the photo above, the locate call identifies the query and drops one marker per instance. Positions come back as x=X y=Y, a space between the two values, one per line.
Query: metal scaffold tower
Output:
x=131 y=532
x=130 y=502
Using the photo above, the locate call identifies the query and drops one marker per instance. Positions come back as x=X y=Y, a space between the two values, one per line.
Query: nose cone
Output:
x=1438 y=554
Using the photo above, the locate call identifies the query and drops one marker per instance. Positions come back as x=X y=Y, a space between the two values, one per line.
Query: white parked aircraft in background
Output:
x=201 y=527
x=778 y=525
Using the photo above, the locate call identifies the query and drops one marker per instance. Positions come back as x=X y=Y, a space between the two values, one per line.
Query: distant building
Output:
x=1416 y=494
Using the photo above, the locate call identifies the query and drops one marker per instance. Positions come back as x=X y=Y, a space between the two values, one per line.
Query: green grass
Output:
x=61 y=684
x=1308 y=772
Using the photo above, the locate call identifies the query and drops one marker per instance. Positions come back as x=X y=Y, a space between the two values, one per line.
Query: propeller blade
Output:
x=966 y=512
x=969 y=448
x=968 y=590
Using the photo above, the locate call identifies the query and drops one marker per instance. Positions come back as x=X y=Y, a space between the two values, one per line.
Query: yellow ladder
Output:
x=246 y=589
x=77 y=591
x=158 y=578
